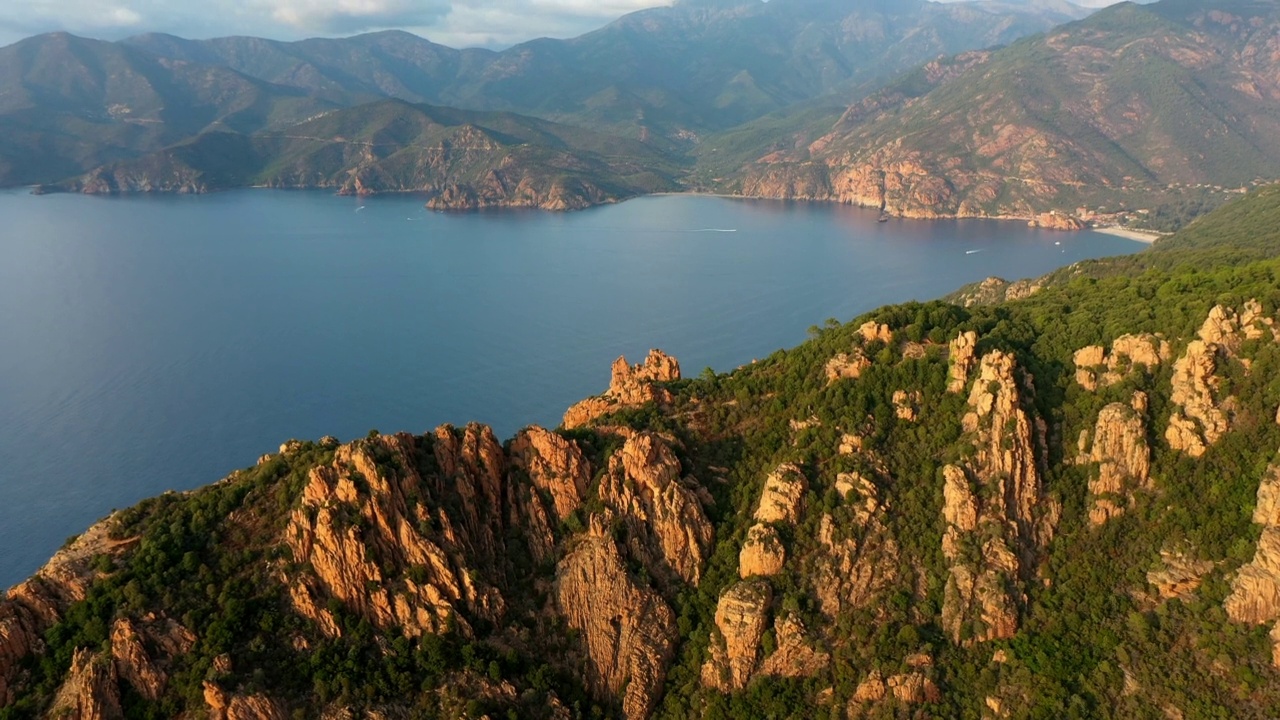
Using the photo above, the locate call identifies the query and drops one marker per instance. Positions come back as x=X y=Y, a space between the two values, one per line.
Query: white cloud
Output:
x=339 y=16
x=453 y=22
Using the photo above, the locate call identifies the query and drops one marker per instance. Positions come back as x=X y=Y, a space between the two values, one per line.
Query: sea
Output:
x=153 y=343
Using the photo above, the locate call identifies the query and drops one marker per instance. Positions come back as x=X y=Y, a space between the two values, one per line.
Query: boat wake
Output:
x=972 y=252
x=720 y=230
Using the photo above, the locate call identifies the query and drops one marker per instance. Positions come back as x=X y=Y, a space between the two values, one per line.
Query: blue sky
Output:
x=458 y=23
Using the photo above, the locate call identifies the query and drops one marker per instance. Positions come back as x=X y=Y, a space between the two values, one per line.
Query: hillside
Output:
x=665 y=73
x=1063 y=506
x=1134 y=105
x=68 y=104
x=463 y=160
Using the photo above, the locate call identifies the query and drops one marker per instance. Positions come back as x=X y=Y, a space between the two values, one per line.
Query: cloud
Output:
x=348 y=16
x=453 y=22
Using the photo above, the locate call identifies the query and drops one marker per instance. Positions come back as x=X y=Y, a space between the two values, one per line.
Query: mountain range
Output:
x=1120 y=106
x=664 y=76
x=920 y=109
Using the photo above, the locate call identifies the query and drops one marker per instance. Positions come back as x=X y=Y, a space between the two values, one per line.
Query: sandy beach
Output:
x=1139 y=235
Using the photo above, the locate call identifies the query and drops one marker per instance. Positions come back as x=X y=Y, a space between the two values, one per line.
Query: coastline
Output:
x=1142 y=236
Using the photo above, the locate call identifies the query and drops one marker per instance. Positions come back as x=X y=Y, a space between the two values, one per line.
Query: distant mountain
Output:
x=670 y=71
x=68 y=104
x=1124 y=105
x=462 y=159
x=664 y=76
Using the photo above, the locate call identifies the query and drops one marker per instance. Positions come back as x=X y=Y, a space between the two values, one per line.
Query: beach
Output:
x=1139 y=235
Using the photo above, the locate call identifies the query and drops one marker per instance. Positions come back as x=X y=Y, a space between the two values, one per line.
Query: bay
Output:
x=157 y=343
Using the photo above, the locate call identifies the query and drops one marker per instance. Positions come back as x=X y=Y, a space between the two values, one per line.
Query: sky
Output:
x=457 y=23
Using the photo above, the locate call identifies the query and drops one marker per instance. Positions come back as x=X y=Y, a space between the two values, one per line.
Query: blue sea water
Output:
x=156 y=343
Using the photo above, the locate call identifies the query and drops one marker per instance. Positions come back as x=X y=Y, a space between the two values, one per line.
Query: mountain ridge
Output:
x=1125 y=106
x=461 y=160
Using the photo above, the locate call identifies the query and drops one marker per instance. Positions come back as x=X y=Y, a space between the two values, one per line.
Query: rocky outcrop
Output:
x=783 y=496
x=911 y=688
x=667 y=528
x=1122 y=458
x=504 y=189
x=963 y=359
x=1096 y=367
x=762 y=553
x=225 y=706
x=846 y=366
x=1054 y=220
x=1178 y=574
x=857 y=561
x=1201 y=415
x=133 y=663
x=627 y=629
x=37 y=604
x=998 y=521
x=741 y=618
x=872 y=331
x=555 y=466
x=1200 y=419
x=795 y=657
x=906 y=405
x=1255 y=591
x=370 y=512
x=91 y=690
x=629 y=387
x=995 y=290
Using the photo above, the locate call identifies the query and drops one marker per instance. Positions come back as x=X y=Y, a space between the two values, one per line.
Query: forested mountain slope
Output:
x=666 y=72
x=460 y=159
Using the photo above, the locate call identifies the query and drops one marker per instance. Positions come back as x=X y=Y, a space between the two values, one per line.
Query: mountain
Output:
x=666 y=72
x=68 y=104
x=462 y=159
x=1061 y=506
x=1133 y=104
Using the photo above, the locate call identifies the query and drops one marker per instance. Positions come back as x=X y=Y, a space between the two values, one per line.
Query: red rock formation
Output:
x=741 y=617
x=629 y=387
x=962 y=353
x=668 y=528
x=994 y=506
x=762 y=553
x=91 y=690
x=225 y=706
x=360 y=515
x=1201 y=417
x=855 y=565
x=1255 y=591
x=1123 y=461
x=1057 y=221
x=627 y=629
x=555 y=465
x=37 y=604
x=783 y=497
x=132 y=662
x=794 y=656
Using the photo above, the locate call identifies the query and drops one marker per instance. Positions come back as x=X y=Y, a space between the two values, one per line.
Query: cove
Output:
x=157 y=343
